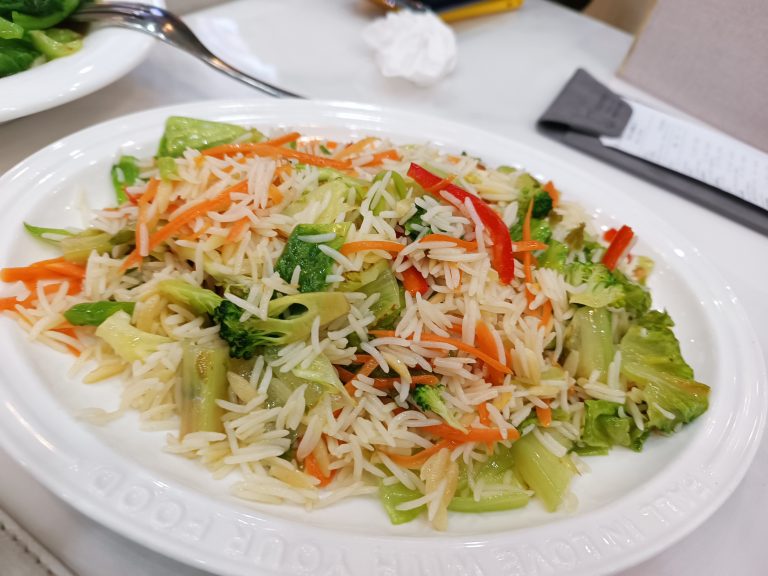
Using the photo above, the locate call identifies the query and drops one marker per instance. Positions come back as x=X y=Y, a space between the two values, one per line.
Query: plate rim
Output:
x=173 y=548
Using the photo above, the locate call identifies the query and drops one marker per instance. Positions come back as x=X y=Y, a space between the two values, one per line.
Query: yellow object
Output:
x=479 y=9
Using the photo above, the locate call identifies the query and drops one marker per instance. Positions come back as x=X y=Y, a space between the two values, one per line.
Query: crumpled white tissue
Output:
x=417 y=46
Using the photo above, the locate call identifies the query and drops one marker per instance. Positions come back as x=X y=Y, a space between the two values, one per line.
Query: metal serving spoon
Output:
x=169 y=28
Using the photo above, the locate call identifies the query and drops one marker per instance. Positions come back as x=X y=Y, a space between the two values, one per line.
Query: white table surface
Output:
x=511 y=67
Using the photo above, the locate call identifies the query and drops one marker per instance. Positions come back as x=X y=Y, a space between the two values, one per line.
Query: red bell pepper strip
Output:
x=414 y=282
x=502 y=255
x=617 y=247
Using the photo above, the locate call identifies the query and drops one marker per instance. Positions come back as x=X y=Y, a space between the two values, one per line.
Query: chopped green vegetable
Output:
x=56 y=42
x=203 y=382
x=554 y=256
x=415 y=226
x=591 y=334
x=126 y=340
x=602 y=288
x=651 y=358
x=604 y=428
x=540 y=230
x=45 y=234
x=289 y=318
x=391 y=299
x=182 y=133
x=320 y=378
x=332 y=195
x=78 y=247
x=395 y=494
x=9 y=30
x=16 y=56
x=395 y=187
x=168 y=168
x=40 y=14
x=125 y=173
x=94 y=313
x=430 y=398
x=544 y=473
x=315 y=264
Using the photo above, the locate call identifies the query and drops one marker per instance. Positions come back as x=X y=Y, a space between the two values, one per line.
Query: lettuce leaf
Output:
x=651 y=359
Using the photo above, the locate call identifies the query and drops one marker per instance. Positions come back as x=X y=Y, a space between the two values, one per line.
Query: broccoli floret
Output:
x=315 y=265
x=542 y=205
x=289 y=318
x=606 y=288
x=431 y=398
x=603 y=289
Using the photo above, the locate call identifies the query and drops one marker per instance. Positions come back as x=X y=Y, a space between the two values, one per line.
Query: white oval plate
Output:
x=631 y=505
x=107 y=54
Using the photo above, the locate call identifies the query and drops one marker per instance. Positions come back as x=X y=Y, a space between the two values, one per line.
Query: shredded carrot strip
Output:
x=261 y=149
x=463 y=346
x=355 y=148
x=361 y=358
x=237 y=229
x=144 y=203
x=472 y=434
x=553 y=192
x=485 y=417
x=487 y=343
x=544 y=415
x=344 y=374
x=47 y=270
x=466 y=244
x=368 y=367
x=546 y=313
x=386 y=245
x=529 y=246
x=312 y=468
x=173 y=226
x=283 y=140
x=381 y=156
x=418 y=459
x=388 y=383
x=75 y=286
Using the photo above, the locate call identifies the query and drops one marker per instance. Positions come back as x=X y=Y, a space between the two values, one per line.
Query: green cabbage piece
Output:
x=391 y=301
x=604 y=428
x=332 y=195
x=651 y=358
x=320 y=377
x=182 y=133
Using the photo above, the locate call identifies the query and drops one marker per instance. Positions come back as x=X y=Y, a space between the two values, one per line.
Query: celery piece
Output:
x=203 y=382
x=78 y=247
x=592 y=336
x=395 y=494
x=492 y=502
x=544 y=473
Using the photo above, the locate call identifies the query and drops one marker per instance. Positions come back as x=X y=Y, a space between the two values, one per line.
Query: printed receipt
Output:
x=695 y=151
